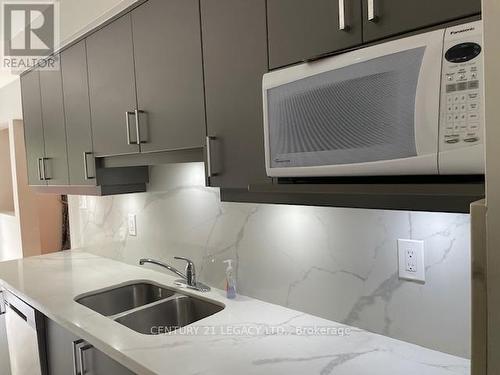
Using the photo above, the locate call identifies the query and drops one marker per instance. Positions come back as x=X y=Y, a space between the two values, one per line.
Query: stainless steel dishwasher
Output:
x=25 y=336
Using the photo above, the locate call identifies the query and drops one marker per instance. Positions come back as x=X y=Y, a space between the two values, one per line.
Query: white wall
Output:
x=10 y=231
x=6 y=197
x=10 y=238
x=10 y=103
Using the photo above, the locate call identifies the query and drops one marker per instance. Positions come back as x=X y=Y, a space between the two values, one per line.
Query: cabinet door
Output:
x=59 y=349
x=390 y=17
x=54 y=127
x=304 y=29
x=33 y=128
x=169 y=75
x=77 y=112
x=97 y=363
x=235 y=59
x=112 y=88
x=60 y=354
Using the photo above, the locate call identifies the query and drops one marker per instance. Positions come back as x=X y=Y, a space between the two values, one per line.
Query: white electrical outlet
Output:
x=411 y=260
x=132 y=225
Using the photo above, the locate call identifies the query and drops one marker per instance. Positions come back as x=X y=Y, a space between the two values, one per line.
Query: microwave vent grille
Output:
x=359 y=113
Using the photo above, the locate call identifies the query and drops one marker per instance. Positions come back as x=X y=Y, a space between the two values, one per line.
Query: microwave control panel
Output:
x=461 y=122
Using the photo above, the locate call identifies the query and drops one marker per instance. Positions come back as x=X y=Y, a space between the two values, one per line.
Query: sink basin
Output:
x=148 y=308
x=118 y=300
x=169 y=315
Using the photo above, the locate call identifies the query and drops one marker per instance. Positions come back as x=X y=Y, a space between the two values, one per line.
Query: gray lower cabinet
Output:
x=112 y=89
x=60 y=345
x=33 y=128
x=77 y=114
x=55 y=164
x=169 y=74
x=391 y=17
x=303 y=29
x=235 y=58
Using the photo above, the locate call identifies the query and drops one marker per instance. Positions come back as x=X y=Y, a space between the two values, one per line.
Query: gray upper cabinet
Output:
x=55 y=164
x=33 y=128
x=178 y=75
x=304 y=29
x=391 y=17
x=77 y=111
x=112 y=88
x=235 y=59
x=169 y=74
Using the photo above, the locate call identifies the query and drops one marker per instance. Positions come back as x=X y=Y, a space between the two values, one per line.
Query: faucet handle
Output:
x=189 y=261
x=190 y=271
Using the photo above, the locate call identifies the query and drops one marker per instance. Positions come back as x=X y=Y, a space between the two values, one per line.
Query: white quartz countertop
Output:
x=248 y=337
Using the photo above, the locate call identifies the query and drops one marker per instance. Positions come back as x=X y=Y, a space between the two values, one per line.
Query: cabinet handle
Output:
x=75 y=360
x=86 y=166
x=372 y=14
x=44 y=170
x=137 y=126
x=209 y=157
x=40 y=177
x=343 y=24
x=127 y=122
x=82 y=350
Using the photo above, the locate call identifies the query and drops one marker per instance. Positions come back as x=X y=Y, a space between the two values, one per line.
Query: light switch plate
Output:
x=83 y=202
x=411 y=260
x=132 y=225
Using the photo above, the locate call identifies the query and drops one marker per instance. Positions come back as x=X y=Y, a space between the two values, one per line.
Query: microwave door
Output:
x=373 y=111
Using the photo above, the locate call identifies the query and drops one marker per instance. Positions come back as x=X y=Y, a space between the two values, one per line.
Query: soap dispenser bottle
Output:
x=230 y=280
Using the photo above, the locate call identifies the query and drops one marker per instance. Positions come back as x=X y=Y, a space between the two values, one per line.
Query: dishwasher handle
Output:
x=21 y=308
x=2 y=304
x=19 y=313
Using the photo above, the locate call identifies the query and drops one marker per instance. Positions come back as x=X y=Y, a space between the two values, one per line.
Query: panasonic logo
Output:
x=462 y=31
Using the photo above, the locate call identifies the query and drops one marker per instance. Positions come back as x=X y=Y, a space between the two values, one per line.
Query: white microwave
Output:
x=412 y=106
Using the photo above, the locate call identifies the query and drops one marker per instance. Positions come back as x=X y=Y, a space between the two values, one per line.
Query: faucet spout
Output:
x=164 y=265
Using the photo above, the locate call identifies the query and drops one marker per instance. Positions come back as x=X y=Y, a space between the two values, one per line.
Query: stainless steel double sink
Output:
x=148 y=308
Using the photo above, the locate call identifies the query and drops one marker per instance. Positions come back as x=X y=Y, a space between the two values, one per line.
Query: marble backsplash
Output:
x=340 y=264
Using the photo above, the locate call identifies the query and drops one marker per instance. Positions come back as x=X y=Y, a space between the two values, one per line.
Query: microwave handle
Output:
x=343 y=24
x=372 y=14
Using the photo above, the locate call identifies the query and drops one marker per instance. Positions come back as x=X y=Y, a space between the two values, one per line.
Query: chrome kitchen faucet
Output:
x=188 y=279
